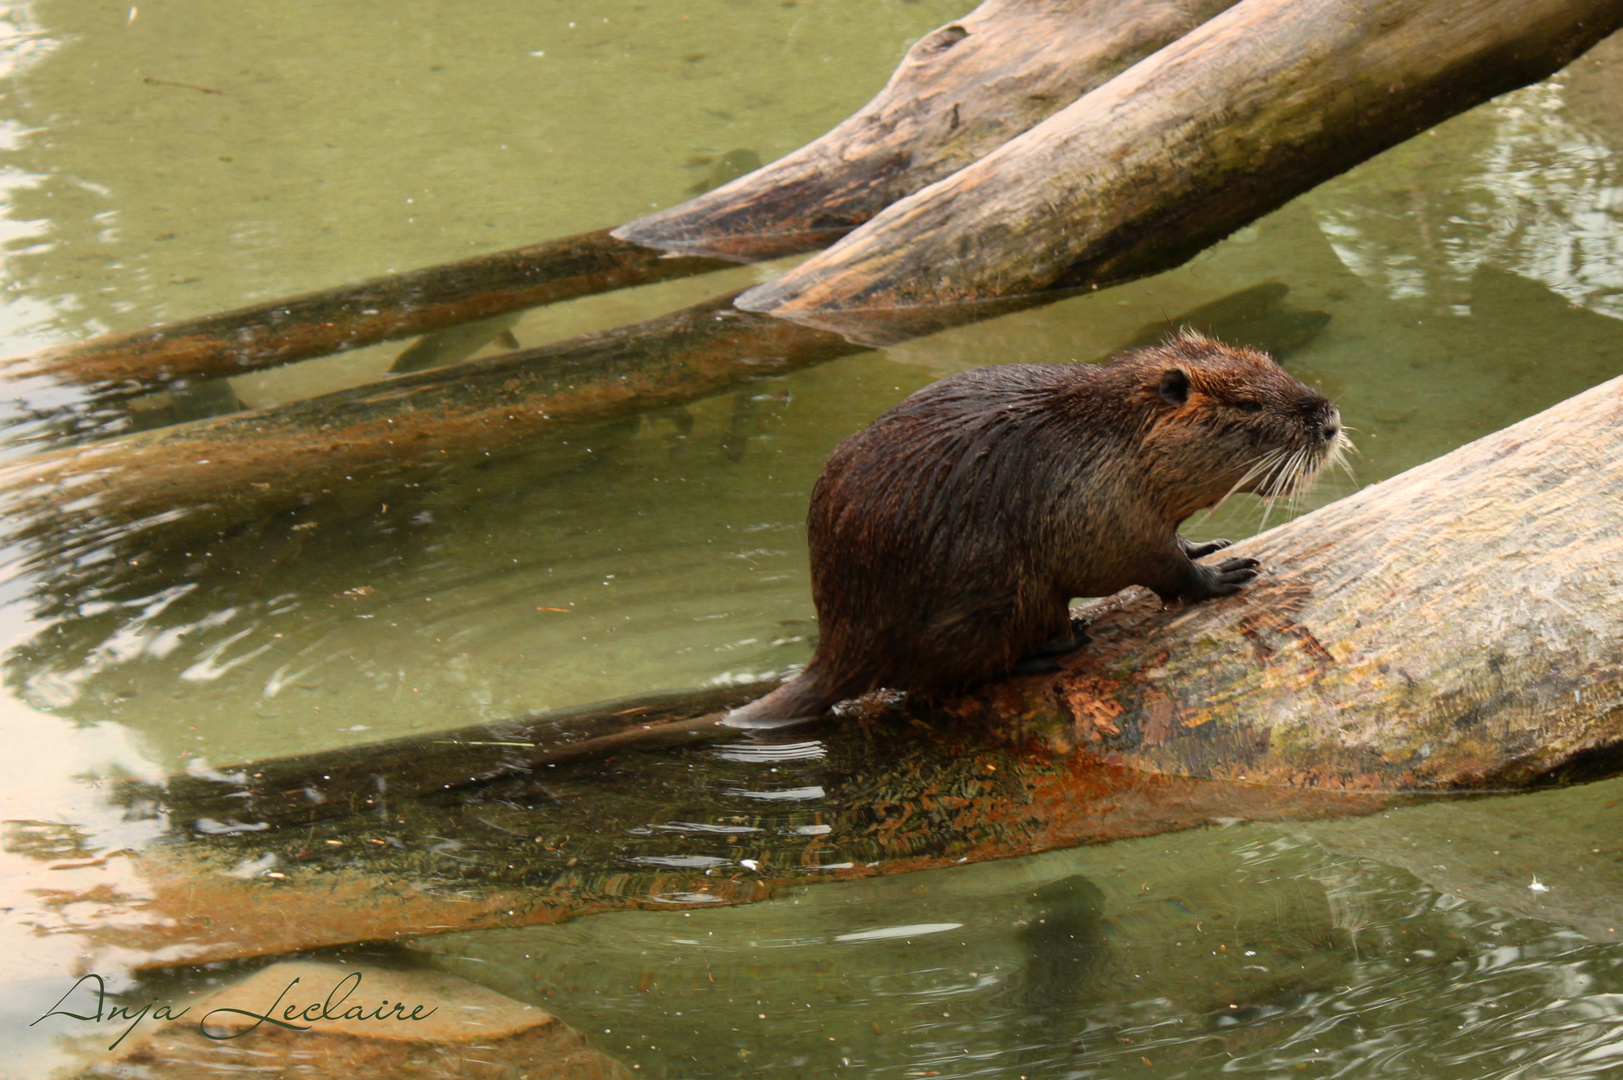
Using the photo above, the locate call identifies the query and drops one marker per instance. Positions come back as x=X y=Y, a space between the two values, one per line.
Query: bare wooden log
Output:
x=963 y=90
x=399 y=305
x=1228 y=122
x=233 y=468
x=1452 y=629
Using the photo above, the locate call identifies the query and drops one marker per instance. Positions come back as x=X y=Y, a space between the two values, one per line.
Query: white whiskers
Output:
x=1288 y=474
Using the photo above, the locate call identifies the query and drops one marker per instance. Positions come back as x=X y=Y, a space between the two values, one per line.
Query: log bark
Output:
x=382 y=309
x=962 y=90
x=212 y=473
x=1452 y=629
x=1261 y=103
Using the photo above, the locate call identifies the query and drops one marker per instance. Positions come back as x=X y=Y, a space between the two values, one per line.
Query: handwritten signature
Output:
x=291 y=1014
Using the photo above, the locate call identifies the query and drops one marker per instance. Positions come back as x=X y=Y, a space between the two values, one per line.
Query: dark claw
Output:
x=1034 y=665
x=1231 y=574
x=1203 y=549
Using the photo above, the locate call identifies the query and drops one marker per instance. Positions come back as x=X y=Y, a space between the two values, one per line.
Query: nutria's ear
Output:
x=1174 y=387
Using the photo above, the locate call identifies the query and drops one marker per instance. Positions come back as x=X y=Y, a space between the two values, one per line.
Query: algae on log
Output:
x=962 y=90
x=1256 y=106
x=1452 y=629
x=382 y=309
x=664 y=827
x=213 y=473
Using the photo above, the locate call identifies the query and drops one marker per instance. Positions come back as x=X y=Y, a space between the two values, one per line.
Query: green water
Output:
x=170 y=159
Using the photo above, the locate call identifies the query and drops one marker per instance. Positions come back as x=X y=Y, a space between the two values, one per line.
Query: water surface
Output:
x=172 y=159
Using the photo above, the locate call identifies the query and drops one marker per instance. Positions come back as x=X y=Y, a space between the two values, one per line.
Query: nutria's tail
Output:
x=801 y=698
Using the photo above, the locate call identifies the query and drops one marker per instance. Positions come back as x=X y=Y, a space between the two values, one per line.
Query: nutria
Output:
x=949 y=536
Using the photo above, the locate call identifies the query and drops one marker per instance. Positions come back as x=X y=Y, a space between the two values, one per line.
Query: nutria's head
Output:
x=1223 y=419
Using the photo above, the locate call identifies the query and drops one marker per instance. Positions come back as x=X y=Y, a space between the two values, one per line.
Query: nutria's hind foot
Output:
x=1060 y=646
x=1202 y=549
x=1039 y=661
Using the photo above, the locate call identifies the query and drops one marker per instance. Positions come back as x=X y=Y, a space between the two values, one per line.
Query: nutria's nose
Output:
x=1332 y=426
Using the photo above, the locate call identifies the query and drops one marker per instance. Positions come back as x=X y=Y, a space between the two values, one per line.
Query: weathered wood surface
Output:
x=1453 y=629
x=963 y=90
x=229 y=469
x=382 y=309
x=1261 y=103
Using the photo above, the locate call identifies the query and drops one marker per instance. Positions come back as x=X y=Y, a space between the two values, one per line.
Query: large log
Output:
x=962 y=90
x=212 y=473
x=382 y=309
x=1452 y=629
x=1263 y=102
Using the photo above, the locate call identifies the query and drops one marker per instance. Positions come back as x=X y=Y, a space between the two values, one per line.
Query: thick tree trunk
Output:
x=1223 y=125
x=962 y=91
x=397 y=306
x=213 y=473
x=1452 y=629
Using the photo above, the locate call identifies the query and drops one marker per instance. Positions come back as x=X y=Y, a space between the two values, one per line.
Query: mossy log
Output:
x=963 y=90
x=213 y=473
x=1261 y=103
x=382 y=309
x=1451 y=630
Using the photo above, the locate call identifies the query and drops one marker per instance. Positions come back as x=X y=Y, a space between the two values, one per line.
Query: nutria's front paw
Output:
x=1206 y=582
x=1201 y=550
x=1226 y=578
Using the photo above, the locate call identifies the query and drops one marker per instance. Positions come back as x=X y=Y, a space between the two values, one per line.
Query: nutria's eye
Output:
x=1174 y=387
x=1248 y=405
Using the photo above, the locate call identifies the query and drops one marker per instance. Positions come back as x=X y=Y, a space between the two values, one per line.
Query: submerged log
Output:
x=1254 y=107
x=382 y=309
x=962 y=90
x=1452 y=629
x=212 y=473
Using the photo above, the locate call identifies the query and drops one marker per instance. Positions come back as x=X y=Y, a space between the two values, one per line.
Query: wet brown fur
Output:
x=949 y=537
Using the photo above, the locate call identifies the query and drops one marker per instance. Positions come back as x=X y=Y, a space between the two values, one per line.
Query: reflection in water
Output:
x=1539 y=196
x=1065 y=944
x=1211 y=953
